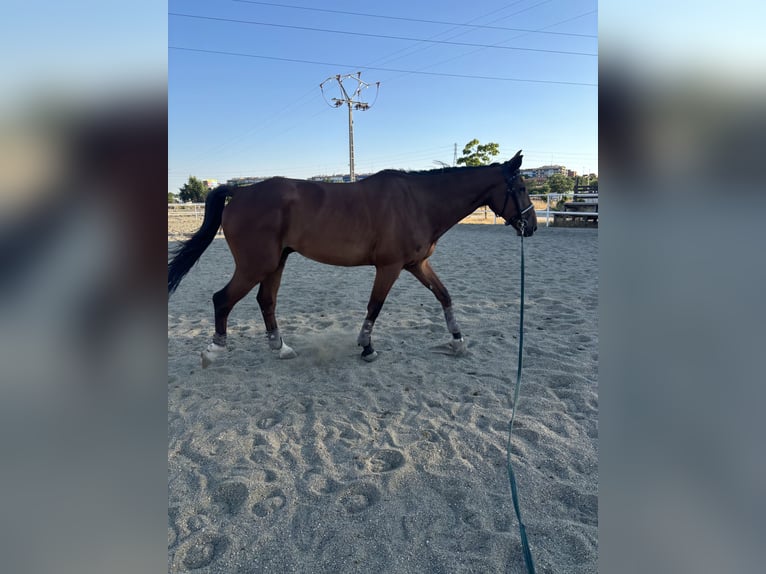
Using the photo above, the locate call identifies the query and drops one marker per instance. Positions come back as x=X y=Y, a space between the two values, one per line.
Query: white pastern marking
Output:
x=458 y=347
x=211 y=353
x=286 y=352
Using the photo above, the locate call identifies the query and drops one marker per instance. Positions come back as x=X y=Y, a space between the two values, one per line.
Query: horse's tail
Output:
x=187 y=254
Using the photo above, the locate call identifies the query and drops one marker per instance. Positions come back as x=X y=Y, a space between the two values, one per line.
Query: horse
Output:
x=391 y=220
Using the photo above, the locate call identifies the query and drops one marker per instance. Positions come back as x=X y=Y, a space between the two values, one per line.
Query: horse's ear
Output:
x=515 y=162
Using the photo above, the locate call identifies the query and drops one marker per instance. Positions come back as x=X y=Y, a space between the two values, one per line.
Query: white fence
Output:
x=553 y=198
x=183 y=215
x=184 y=219
x=186 y=209
x=186 y=215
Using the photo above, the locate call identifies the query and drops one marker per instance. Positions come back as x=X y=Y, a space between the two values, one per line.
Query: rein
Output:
x=511 y=476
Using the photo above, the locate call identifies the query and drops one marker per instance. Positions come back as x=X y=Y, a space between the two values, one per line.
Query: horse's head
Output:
x=516 y=207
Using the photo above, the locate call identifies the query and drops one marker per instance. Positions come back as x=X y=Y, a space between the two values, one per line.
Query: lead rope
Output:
x=511 y=476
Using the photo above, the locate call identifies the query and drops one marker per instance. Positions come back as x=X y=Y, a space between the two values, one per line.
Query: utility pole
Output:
x=354 y=103
x=454 y=155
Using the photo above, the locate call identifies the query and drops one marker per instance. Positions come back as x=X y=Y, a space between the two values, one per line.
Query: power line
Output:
x=480 y=49
x=335 y=64
x=424 y=21
x=383 y=36
x=417 y=48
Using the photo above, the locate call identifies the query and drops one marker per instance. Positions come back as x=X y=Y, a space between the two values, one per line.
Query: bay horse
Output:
x=391 y=220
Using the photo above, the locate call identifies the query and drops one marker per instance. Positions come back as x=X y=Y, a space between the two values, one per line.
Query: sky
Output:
x=77 y=48
x=244 y=97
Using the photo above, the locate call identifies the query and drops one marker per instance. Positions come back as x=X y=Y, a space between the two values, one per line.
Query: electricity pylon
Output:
x=354 y=103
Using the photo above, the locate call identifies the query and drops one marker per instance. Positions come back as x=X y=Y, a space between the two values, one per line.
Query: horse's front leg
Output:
x=385 y=277
x=424 y=273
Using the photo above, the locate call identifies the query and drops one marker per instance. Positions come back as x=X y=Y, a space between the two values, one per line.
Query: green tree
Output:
x=537 y=188
x=475 y=153
x=193 y=190
x=172 y=197
x=560 y=183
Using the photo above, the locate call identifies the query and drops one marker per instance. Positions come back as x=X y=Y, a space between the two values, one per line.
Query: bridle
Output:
x=520 y=219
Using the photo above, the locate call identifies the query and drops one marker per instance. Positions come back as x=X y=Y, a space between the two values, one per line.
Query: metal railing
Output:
x=556 y=197
x=197 y=210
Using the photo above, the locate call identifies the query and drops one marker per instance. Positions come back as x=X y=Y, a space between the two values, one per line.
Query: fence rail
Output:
x=190 y=214
x=555 y=197
x=184 y=219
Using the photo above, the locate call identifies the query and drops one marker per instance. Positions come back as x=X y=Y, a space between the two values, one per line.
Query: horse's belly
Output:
x=347 y=254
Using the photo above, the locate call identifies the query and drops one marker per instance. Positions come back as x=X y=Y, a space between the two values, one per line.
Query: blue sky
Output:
x=79 y=49
x=528 y=80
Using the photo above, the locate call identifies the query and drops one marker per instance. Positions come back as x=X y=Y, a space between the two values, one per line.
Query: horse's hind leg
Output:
x=267 y=300
x=427 y=276
x=385 y=277
x=223 y=302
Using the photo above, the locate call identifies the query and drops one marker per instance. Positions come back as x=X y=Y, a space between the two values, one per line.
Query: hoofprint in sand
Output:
x=327 y=464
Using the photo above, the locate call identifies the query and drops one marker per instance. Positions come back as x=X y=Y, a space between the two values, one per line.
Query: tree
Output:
x=537 y=188
x=193 y=190
x=475 y=153
x=172 y=197
x=559 y=183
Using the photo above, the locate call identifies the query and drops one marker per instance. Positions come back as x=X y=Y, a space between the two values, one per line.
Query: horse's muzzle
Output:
x=525 y=225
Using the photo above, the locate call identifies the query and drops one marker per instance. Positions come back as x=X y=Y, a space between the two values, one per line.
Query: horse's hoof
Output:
x=210 y=354
x=458 y=347
x=286 y=352
x=369 y=355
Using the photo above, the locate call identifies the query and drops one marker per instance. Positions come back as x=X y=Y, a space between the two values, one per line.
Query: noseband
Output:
x=510 y=177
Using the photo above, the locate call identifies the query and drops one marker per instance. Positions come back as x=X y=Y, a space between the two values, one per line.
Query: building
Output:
x=345 y=178
x=210 y=183
x=240 y=181
x=331 y=178
x=250 y=180
x=544 y=172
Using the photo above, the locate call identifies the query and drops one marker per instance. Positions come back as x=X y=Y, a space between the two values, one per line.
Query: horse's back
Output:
x=339 y=224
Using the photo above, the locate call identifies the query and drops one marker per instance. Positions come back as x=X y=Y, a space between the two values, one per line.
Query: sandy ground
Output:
x=327 y=464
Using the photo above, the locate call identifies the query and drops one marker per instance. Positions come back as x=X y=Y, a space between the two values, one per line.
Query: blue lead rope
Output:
x=511 y=476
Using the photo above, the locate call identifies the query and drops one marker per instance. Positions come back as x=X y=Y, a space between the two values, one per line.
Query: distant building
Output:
x=544 y=172
x=336 y=178
x=240 y=181
x=210 y=183
x=330 y=178
x=250 y=180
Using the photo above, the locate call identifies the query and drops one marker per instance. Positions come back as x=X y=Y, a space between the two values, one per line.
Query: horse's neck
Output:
x=454 y=195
